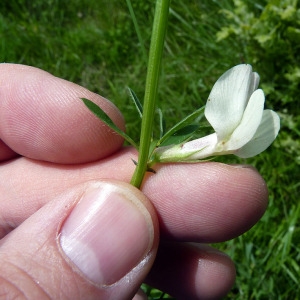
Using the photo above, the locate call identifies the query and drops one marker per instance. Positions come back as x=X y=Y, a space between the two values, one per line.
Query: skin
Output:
x=53 y=149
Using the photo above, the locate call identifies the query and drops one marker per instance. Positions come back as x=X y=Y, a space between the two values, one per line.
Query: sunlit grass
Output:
x=94 y=43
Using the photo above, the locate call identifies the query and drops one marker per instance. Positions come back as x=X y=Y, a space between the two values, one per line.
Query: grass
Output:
x=94 y=44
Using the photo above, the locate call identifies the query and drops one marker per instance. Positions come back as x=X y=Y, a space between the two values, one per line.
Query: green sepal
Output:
x=195 y=161
x=99 y=113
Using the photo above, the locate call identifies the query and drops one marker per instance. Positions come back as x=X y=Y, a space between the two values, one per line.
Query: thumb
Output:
x=96 y=240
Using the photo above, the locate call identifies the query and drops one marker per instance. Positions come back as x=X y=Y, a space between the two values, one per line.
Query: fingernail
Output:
x=107 y=234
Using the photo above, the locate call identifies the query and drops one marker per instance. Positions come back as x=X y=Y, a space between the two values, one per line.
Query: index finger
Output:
x=42 y=117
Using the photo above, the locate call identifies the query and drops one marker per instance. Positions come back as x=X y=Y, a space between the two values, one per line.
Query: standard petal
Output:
x=264 y=136
x=228 y=99
x=249 y=123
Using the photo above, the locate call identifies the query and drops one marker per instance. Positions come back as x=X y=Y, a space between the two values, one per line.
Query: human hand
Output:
x=72 y=227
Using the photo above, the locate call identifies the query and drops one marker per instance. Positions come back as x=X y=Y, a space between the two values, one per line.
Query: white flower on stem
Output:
x=235 y=110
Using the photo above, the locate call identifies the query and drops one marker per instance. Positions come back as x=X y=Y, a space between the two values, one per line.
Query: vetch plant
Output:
x=234 y=109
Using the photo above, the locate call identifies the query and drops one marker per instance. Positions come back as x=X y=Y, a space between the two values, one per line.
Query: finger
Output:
x=5 y=152
x=212 y=201
x=96 y=241
x=43 y=117
x=206 y=202
x=190 y=271
x=140 y=295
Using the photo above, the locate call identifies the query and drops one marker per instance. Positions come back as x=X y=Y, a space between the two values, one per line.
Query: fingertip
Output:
x=107 y=221
x=215 y=275
x=43 y=117
x=256 y=183
x=216 y=201
x=192 y=271
x=103 y=235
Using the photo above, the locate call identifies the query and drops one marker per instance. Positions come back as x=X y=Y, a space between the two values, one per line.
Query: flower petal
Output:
x=249 y=123
x=264 y=136
x=229 y=96
x=254 y=82
x=204 y=147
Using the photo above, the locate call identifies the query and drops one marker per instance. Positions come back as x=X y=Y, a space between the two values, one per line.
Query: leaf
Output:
x=186 y=122
x=99 y=113
x=136 y=101
x=182 y=135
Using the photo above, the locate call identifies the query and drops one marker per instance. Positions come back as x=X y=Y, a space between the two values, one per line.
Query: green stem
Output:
x=154 y=64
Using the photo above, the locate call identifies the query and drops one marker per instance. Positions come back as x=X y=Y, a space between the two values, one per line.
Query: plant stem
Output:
x=154 y=64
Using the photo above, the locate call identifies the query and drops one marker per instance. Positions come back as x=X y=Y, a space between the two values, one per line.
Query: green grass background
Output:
x=95 y=44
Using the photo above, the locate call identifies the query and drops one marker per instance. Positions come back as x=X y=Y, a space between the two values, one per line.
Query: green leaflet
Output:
x=98 y=112
x=183 y=130
x=136 y=102
x=181 y=135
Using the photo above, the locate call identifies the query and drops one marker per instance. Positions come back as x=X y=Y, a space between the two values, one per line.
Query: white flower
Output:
x=235 y=110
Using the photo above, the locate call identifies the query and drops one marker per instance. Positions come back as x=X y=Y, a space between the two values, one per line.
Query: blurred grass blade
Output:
x=98 y=112
x=137 y=29
x=184 y=123
x=136 y=101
